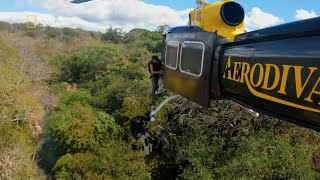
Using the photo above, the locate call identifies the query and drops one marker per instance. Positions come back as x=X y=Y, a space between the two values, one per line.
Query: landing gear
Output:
x=250 y=111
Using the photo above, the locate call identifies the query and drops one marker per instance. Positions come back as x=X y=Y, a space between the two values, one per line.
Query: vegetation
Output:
x=17 y=120
x=84 y=89
x=113 y=35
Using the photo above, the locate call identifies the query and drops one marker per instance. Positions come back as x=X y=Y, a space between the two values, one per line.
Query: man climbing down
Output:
x=155 y=70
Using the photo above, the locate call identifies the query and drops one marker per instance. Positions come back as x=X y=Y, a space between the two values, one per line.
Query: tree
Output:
x=113 y=35
x=115 y=161
x=72 y=126
x=162 y=28
x=269 y=157
x=17 y=111
x=53 y=32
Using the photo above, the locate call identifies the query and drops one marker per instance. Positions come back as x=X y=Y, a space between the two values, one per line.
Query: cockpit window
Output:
x=191 y=58
x=172 y=51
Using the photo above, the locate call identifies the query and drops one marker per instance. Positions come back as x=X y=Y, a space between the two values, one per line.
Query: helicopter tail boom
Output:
x=275 y=70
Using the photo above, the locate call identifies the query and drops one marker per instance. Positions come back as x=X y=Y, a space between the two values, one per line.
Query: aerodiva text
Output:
x=274 y=78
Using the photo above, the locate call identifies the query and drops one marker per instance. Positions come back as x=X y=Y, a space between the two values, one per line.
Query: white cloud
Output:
x=257 y=19
x=304 y=14
x=50 y=20
x=128 y=14
x=185 y=13
x=118 y=13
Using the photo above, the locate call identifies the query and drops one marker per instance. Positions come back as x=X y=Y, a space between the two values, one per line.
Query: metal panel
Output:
x=192 y=87
x=280 y=77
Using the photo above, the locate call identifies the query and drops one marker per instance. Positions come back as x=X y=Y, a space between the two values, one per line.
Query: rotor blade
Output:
x=80 y=1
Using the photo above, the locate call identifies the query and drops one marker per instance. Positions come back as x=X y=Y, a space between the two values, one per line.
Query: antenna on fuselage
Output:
x=201 y=3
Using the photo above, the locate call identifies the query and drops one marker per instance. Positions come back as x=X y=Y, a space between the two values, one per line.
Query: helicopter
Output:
x=274 y=71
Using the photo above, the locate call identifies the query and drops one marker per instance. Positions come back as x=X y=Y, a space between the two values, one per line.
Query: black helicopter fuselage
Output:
x=275 y=70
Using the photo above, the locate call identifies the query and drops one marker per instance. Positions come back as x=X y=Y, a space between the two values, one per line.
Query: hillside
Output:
x=69 y=98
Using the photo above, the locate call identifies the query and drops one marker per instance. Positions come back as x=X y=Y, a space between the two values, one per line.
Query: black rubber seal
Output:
x=232 y=13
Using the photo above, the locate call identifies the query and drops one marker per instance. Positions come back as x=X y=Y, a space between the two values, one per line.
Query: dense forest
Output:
x=68 y=98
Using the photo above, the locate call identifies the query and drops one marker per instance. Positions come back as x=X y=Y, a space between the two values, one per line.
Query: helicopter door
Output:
x=188 y=56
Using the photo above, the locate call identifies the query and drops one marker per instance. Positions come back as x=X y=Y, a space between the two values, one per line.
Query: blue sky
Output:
x=14 y=6
x=285 y=9
x=128 y=14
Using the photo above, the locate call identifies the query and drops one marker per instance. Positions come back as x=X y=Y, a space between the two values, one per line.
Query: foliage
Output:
x=73 y=127
x=89 y=64
x=113 y=35
x=116 y=161
x=52 y=32
x=77 y=127
x=262 y=157
x=95 y=34
x=31 y=33
x=89 y=136
x=220 y=143
x=269 y=157
x=91 y=123
x=162 y=28
x=142 y=38
x=5 y=26
x=81 y=96
x=107 y=76
x=17 y=112
x=15 y=152
x=69 y=32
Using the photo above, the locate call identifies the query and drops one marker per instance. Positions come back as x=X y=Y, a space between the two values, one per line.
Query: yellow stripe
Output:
x=277 y=100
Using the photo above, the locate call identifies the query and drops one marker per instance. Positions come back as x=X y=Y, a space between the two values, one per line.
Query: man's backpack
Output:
x=151 y=62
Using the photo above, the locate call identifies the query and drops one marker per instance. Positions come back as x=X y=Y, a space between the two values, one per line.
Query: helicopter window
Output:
x=172 y=52
x=191 y=58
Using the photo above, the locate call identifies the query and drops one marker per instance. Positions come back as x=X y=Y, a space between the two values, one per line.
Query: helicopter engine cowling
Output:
x=226 y=18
